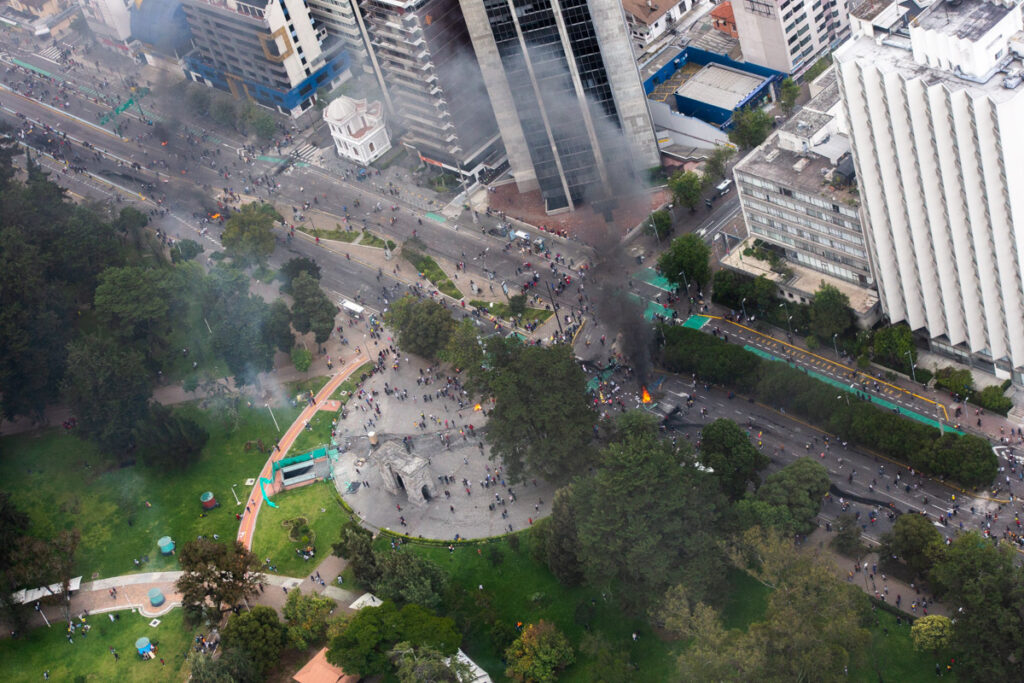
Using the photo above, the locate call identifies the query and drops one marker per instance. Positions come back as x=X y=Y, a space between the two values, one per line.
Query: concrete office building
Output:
x=110 y=20
x=424 y=61
x=789 y=35
x=934 y=114
x=566 y=93
x=269 y=52
x=339 y=18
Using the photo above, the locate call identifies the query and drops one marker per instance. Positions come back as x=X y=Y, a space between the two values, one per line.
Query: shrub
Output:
x=992 y=398
x=301 y=359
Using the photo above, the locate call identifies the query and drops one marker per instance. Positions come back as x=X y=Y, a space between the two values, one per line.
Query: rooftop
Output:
x=964 y=19
x=804 y=172
x=804 y=280
x=869 y=9
x=806 y=122
x=720 y=86
x=648 y=11
x=724 y=11
x=888 y=58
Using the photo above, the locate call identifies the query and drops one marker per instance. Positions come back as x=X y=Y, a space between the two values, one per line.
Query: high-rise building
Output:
x=109 y=19
x=789 y=35
x=268 y=51
x=422 y=56
x=339 y=18
x=934 y=113
x=566 y=94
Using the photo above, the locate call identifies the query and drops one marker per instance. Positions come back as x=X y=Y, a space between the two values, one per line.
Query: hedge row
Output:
x=968 y=459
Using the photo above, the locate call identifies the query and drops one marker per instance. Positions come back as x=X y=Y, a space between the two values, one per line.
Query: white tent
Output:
x=366 y=600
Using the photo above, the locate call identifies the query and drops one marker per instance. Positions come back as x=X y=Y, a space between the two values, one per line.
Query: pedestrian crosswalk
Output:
x=51 y=53
x=307 y=153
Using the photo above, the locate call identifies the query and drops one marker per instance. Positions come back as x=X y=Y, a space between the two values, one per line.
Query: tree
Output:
x=959 y=382
x=541 y=421
x=830 y=312
x=517 y=305
x=306 y=618
x=686 y=261
x=796 y=490
x=214 y=575
x=239 y=338
x=915 y=541
x=185 y=250
x=197 y=97
x=932 y=633
x=428 y=665
x=131 y=302
x=223 y=111
x=108 y=390
x=167 y=441
x=686 y=189
x=356 y=545
x=985 y=589
x=751 y=127
x=302 y=359
x=311 y=305
x=561 y=541
x=789 y=91
x=659 y=224
x=259 y=633
x=893 y=343
x=424 y=326
x=233 y=666
x=248 y=235
x=464 y=352
x=294 y=267
x=847 y=539
x=364 y=644
x=278 y=329
x=406 y=577
x=727 y=450
x=539 y=653
x=715 y=164
x=630 y=532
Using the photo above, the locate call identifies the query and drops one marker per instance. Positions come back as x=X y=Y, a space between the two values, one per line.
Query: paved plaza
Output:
x=454 y=451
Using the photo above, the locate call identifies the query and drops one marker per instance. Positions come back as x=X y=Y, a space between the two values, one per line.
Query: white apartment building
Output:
x=111 y=18
x=789 y=35
x=649 y=20
x=357 y=128
x=935 y=114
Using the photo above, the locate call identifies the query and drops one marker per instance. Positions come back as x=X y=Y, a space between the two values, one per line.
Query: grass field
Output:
x=501 y=310
x=344 y=391
x=271 y=538
x=892 y=656
x=319 y=433
x=57 y=479
x=89 y=659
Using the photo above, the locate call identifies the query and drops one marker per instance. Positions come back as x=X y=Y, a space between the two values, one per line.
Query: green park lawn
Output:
x=62 y=483
x=271 y=538
x=345 y=390
x=89 y=659
x=318 y=434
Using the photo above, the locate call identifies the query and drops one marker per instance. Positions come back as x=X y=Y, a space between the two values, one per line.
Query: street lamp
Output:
x=913 y=373
x=744 y=307
x=272 y=417
x=839 y=398
x=789 y=319
x=237 y=502
x=834 y=346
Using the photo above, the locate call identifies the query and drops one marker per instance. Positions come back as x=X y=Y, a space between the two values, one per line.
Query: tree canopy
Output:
x=727 y=450
x=541 y=422
x=306 y=618
x=631 y=531
x=216 y=577
x=686 y=188
x=539 y=653
x=915 y=541
x=168 y=441
x=248 y=235
x=409 y=578
x=751 y=127
x=258 y=633
x=788 y=500
x=686 y=260
x=789 y=91
x=830 y=312
x=424 y=326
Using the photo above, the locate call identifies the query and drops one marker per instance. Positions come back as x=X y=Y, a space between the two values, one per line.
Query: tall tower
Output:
x=566 y=94
x=789 y=35
x=421 y=53
x=934 y=117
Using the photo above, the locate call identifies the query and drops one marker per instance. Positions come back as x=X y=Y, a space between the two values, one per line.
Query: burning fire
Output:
x=477 y=407
x=645 y=395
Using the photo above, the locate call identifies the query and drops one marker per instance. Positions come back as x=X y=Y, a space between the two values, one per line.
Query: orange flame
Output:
x=477 y=407
x=645 y=396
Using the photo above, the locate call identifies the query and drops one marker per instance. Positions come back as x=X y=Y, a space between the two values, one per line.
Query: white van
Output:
x=353 y=310
x=724 y=187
